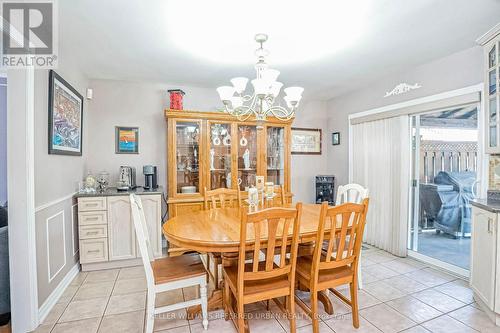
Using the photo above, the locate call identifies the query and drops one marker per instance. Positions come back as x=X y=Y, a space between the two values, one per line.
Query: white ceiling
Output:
x=346 y=47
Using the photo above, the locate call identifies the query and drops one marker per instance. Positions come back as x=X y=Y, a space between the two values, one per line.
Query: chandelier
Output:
x=266 y=89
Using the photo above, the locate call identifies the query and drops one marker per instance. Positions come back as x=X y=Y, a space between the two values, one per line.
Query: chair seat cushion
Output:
x=177 y=268
x=304 y=271
x=257 y=286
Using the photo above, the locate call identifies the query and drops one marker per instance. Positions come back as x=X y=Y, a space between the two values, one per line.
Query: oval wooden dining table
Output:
x=218 y=231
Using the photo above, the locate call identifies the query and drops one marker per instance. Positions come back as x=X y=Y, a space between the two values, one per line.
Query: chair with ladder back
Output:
x=342 y=229
x=167 y=273
x=272 y=230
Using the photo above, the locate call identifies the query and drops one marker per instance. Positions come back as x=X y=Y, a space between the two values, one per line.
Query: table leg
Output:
x=215 y=301
x=327 y=304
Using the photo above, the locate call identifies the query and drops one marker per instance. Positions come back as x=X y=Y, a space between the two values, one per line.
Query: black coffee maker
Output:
x=150 y=177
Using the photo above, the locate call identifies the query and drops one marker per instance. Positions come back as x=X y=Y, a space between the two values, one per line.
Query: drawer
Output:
x=89 y=218
x=93 y=231
x=93 y=250
x=91 y=204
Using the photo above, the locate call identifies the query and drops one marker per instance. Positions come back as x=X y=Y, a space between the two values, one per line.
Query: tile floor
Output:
x=400 y=295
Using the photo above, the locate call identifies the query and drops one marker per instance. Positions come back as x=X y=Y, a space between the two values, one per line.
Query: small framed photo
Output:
x=126 y=140
x=336 y=138
x=306 y=141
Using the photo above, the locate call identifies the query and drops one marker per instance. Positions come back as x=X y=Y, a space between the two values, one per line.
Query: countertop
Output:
x=112 y=191
x=489 y=205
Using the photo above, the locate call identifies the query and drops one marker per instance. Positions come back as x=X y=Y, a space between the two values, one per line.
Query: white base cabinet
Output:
x=121 y=232
x=485 y=261
x=107 y=234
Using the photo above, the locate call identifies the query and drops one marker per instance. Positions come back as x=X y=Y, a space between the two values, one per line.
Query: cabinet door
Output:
x=121 y=232
x=483 y=255
x=247 y=155
x=187 y=157
x=275 y=155
x=152 y=211
x=492 y=96
x=220 y=161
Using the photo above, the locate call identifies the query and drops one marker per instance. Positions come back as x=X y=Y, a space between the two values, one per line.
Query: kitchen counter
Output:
x=489 y=205
x=112 y=191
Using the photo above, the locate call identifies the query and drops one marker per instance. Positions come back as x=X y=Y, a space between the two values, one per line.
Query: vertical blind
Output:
x=381 y=162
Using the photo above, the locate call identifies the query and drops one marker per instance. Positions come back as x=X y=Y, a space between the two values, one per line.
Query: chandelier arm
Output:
x=247 y=98
x=242 y=111
x=281 y=112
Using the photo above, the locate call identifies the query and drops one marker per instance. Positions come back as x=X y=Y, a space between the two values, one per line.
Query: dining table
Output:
x=217 y=231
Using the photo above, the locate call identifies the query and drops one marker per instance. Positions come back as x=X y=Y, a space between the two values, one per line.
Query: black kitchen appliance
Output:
x=150 y=177
x=325 y=189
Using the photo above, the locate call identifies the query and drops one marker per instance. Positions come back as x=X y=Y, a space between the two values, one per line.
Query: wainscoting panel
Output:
x=56 y=244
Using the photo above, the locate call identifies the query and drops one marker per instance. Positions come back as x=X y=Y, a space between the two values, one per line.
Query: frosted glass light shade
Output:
x=260 y=86
x=240 y=84
x=276 y=88
x=294 y=93
x=270 y=75
x=226 y=93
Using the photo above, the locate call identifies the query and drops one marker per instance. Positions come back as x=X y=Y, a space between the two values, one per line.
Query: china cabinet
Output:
x=214 y=149
x=491 y=43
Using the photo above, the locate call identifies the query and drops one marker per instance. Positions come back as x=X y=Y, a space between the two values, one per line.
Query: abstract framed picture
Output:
x=65 y=117
x=126 y=140
x=306 y=141
x=336 y=138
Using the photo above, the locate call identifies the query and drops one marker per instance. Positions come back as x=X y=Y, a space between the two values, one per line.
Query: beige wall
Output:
x=452 y=72
x=141 y=104
x=56 y=179
x=135 y=104
x=312 y=114
x=56 y=176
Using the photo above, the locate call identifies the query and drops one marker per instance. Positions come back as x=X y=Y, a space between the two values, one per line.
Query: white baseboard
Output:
x=53 y=298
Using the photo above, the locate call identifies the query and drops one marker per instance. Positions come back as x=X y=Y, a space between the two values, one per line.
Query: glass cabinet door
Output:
x=220 y=155
x=492 y=79
x=492 y=57
x=275 y=137
x=187 y=156
x=247 y=156
x=492 y=115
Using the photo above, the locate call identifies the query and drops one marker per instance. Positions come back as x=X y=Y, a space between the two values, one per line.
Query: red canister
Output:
x=176 y=96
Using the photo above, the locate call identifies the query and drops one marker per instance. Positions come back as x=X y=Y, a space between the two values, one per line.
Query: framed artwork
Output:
x=126 y=140
x=65 y=129
x=306 y=141
x=336 y=138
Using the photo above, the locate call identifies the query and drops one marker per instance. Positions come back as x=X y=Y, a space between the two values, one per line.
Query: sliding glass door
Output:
x=444 y=180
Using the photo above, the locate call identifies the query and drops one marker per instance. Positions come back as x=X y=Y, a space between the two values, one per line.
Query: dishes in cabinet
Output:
x=188 y=189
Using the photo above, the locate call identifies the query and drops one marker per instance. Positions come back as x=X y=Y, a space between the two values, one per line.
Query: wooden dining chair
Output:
x=219 y=198
x=253 y=280
x=353 y=193
x=280 y=198
x=167 y=273
x=342 y=227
